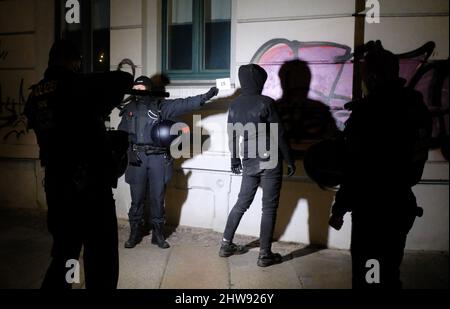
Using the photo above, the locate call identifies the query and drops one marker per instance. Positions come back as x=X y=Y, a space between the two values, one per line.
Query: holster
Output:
x=133 y=158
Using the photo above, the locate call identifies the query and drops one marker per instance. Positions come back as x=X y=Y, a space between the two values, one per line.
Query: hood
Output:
x=252 y=78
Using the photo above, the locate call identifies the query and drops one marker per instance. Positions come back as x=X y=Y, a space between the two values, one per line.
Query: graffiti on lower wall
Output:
x=11 y=114
x=11 y=110
x=3 y=52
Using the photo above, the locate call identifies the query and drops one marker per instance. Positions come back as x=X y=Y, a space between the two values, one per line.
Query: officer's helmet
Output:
x=161 y=136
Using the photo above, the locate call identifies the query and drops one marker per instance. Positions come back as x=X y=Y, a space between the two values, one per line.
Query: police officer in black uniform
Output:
x=386 y=142
x=67 y=110
x=150 y=164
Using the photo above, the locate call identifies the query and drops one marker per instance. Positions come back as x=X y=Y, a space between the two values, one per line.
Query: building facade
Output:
x=195 y=42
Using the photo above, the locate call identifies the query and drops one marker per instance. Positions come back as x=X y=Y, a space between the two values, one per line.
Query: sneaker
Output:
x=228 y=249
x=269 y=258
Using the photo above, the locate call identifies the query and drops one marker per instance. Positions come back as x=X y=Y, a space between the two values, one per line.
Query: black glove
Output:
x=211 y=93
x=236 y=166
x=336 y=221
x=291 y=170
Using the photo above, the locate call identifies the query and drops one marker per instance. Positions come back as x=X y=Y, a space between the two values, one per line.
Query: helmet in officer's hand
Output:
x=161 y=136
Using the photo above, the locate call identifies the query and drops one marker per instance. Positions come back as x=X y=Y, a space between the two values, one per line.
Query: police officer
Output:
x=81 y=210
x=386 y=142
x=150 y=164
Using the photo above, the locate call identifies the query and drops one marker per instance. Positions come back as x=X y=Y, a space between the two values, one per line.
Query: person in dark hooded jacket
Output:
x=253 y=117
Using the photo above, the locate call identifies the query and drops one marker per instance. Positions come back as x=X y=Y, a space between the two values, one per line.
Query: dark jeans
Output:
x=153 y=175
x=77 y=219
x=381 y=235
x=270 y=181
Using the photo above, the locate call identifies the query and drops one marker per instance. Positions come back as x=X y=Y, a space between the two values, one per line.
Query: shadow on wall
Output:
x=305 y=120
x=331 y=65
x=297 y=194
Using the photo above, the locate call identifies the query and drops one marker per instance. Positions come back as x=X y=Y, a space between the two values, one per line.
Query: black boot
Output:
x=135 y=235
x=145 y=228
x=228 y=249
x=267 y=258
x=158 y=236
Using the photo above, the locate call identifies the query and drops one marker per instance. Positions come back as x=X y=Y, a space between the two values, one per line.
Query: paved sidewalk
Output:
x=192 y=261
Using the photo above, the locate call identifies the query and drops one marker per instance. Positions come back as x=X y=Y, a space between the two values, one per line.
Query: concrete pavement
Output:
x=192 y=262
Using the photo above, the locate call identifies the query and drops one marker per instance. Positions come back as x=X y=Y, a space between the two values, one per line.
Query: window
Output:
x=90 y=35
x=196 y=38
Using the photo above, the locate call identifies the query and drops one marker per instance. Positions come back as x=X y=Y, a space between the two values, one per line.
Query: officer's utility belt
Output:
x=148 y=149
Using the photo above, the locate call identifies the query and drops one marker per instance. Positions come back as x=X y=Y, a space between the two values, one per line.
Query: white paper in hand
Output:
x=223 y=84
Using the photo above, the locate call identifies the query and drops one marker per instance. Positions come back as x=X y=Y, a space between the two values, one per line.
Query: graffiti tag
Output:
x=3 y=52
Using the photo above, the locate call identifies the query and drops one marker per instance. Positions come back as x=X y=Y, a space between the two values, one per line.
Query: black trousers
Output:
x=380 y=235
x=270 y=181
x=81 y=218
x=151 y=177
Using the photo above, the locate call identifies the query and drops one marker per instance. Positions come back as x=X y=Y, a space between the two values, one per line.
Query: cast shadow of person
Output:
x=178 y=188
x=305 y=121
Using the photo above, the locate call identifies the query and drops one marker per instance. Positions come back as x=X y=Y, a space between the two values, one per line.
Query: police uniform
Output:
x=81 y=210
x=150 y=165
x=384 y=157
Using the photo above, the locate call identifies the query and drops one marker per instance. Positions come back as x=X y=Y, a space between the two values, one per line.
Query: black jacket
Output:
x=67 y=112
x=138 y=117
x=253 y=108
x=386 y=142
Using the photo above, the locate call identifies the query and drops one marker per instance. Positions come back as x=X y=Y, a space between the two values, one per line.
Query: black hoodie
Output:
x=251 y=107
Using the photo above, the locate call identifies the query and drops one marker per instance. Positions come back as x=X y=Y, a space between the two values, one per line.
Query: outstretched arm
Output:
x=178 y=107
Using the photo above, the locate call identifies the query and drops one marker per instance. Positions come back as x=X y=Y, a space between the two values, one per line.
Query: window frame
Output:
x=198 y=72
x=87 y=65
